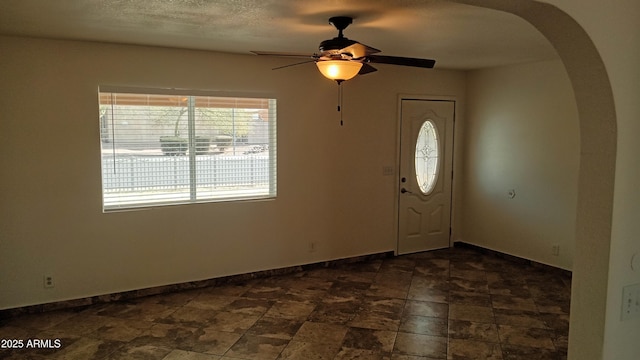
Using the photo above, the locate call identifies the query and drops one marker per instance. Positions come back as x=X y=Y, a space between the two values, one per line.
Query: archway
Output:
x=598 y=137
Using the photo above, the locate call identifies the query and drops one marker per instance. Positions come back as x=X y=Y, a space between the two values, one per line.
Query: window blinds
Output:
x=160 y=149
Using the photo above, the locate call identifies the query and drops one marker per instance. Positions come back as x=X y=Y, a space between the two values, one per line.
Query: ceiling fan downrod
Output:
x=340 y=23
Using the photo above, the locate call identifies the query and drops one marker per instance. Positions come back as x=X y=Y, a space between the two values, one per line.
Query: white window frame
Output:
x=120 y=198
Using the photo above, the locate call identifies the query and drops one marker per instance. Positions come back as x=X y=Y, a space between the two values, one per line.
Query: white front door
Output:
x=426 y=165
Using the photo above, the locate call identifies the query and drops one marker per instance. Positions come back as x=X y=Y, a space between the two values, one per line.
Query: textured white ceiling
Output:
x=457 y=36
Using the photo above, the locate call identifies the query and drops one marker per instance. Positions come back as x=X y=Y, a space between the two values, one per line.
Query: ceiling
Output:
x=458 y=36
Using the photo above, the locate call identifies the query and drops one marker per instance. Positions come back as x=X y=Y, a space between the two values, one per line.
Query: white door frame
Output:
x=396 y=197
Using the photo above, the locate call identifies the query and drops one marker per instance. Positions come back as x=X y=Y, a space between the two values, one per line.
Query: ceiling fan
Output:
x=341 y=58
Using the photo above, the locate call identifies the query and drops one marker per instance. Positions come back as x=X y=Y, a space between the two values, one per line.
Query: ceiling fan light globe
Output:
x=339 y=70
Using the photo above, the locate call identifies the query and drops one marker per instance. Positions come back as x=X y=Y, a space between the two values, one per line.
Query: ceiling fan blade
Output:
x=404 y=61
x=294 y=64
x=366 y=68
x=285 y=54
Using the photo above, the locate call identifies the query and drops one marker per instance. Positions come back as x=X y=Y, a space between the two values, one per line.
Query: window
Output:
x=426 y=157
x=176 y=148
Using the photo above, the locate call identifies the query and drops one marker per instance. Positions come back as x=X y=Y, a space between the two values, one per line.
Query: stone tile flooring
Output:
x=456 y=303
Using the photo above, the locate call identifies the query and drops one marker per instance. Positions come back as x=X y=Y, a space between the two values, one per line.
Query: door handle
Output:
x=403 y=190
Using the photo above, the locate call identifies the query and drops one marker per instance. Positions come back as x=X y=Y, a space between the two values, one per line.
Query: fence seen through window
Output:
x=161 y=149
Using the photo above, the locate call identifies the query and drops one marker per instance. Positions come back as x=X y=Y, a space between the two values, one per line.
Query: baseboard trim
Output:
x=134 y=294
x=513 y=258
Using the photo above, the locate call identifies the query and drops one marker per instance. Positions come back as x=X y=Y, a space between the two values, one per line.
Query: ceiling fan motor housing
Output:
x=333 y=46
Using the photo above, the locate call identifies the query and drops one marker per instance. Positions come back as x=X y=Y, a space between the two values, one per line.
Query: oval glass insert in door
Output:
x=427 y=157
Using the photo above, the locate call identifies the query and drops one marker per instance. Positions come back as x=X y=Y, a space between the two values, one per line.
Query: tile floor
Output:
x=456 y=303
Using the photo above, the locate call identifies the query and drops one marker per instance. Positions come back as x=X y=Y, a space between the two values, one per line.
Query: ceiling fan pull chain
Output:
x=340 y=101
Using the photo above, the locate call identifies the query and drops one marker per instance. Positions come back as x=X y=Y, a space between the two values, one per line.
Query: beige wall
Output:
x=51 y=223
x=598 y=44
x=521 y=134
x=615 y=31
x=331 y=188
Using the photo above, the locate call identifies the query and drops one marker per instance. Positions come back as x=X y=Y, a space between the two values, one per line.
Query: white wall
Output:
x=598 y=44
x=331 y=188
x=614 y=29
x=522 y=134
x=38 y=236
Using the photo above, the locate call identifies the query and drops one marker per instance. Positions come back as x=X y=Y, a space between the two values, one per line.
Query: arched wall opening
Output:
x=598 y=137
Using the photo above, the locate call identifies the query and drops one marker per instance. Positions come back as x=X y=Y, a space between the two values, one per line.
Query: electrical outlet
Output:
x=555 y=249
x=48 y=281
x=630 y=302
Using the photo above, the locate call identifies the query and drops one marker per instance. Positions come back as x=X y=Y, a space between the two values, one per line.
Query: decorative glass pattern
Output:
x=427 y=157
